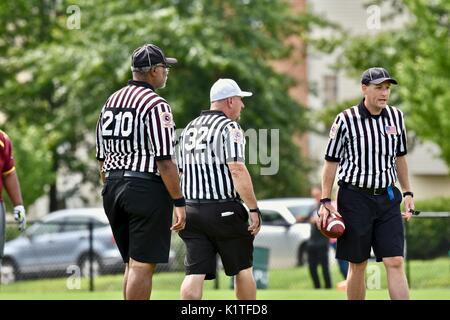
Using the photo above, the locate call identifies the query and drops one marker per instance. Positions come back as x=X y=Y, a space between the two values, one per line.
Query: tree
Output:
x=417 y=56
x=26 y=25
x=32 y=161
x=68 y=74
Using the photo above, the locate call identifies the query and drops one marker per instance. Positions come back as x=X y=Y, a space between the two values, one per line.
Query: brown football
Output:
x=334 y=228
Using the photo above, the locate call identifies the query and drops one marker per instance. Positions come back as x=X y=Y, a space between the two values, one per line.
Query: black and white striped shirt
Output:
x=205 y=147
x=134 y=129
x=366 y=146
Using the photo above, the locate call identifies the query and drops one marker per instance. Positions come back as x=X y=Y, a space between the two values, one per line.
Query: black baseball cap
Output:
x=148 y=55
x=376 y=75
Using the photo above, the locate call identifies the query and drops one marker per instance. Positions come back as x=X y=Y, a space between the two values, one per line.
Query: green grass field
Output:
x=429 y=280
x=419 y=294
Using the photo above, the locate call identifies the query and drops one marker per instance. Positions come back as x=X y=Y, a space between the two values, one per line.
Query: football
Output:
x=334 y=227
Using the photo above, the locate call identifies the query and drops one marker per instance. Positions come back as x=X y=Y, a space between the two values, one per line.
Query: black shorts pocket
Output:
x=242 y=212
x=105 y=188
x=399 y=195
x=228 y=217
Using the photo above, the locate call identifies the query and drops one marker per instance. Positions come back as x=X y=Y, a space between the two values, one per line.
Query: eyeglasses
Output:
x=165 y=66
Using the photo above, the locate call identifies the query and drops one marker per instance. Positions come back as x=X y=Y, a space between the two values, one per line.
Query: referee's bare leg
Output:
x=138 y=283
x=245 y=285
x=356 y=285
x=125 y=281
x=192 y=287
x=396 y=278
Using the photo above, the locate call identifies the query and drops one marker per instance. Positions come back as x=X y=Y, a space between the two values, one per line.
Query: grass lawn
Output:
x=429 y=280
x=419 y=294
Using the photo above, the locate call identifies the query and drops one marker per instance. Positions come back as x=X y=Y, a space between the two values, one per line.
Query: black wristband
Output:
x=325 y=200
x=408 y=193
x=181 y=202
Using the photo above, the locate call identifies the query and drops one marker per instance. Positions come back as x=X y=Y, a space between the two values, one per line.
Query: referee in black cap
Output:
x=135 y=146
x=368 y=144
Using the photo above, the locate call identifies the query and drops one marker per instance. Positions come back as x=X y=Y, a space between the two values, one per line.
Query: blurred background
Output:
x=302 y=59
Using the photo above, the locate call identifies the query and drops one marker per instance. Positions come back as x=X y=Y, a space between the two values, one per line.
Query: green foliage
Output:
x=417 y=56
x=66 y=75
x=11 y=232
x=424 y=73
x=327 y=115
x=33 y=160
x=429 y=237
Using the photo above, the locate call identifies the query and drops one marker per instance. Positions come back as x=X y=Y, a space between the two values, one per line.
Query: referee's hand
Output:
x=179 y=216
x=409 y=208
x=255 y=224
x=324 y=211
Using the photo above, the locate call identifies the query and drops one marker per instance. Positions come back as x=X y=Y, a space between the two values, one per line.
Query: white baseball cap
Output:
x=225 y=88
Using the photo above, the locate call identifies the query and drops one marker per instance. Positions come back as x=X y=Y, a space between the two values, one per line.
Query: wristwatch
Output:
x=408 y=193
x=259 y=214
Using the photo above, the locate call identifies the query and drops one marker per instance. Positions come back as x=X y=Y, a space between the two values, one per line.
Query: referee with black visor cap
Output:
x=135 y=149
x=368 y=144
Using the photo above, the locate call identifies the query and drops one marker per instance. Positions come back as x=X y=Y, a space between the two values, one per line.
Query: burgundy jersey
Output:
x=7 y=163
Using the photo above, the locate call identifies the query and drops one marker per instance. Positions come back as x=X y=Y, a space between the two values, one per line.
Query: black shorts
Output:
x=140 y=214
x=370 y=221
x=217 y=228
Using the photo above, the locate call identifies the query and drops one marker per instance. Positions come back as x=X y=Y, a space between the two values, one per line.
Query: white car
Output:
x=281 y=234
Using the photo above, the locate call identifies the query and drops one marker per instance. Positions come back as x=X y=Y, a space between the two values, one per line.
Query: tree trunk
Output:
x=53 y=198
x=54 y=202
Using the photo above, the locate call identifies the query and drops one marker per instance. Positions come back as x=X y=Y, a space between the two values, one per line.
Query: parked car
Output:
x=60 y=240
x=281 y=234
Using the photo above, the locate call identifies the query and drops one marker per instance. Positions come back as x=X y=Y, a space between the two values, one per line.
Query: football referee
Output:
x=214 y=180
x=368 y=143
x=135 y=145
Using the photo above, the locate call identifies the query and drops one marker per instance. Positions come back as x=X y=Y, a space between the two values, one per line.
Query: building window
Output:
x=330 y=89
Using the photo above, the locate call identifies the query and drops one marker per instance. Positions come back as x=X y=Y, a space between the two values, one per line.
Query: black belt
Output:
x=132 y=174
x=202 y=201
x=371 y=191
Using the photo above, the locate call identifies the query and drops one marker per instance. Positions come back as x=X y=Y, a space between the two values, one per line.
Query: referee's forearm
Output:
x=328 y=175
x=102 y=174
x=169 y=175
x=402 y=173
x=243 y=184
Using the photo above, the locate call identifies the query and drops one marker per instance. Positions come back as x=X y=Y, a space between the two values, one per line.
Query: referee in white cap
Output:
x=215 y=181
